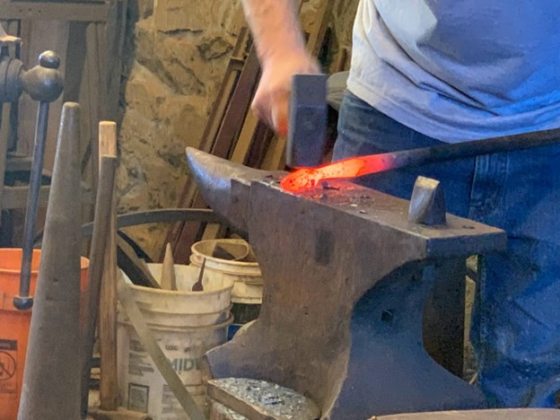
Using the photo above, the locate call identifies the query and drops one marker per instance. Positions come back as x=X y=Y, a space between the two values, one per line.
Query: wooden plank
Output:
x=120 y=414
x=238 y=106
x=108 y=386
x=16 y=197
x=236 y=111
x=188 y=234
x=74 y=60
x=315 y=40
x=82 y=12
x=243 y=144
x=134 y=267
x=94 y=92
x=189 y=190
x=342 y=60
x=274 y=158
x=213 y=231
x=189 y=193
x=4 y=140
x=261 y=142
x=13 y=27
x=115 y=38
x=235 y=66
x=20 y=164
x=97 y=253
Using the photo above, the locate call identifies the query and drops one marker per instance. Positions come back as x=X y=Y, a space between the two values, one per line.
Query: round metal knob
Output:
x=23 y=303
x=44 y=81
x=49 y=59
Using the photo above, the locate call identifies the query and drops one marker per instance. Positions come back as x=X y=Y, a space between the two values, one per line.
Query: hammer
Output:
x=307 y=121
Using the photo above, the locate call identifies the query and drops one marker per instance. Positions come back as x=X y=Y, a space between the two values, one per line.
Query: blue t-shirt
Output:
x=460 y=69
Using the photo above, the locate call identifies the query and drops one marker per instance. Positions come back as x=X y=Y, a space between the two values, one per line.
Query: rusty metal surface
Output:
x=346 y=276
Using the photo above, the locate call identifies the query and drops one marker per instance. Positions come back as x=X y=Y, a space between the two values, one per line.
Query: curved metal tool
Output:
x=152 y=216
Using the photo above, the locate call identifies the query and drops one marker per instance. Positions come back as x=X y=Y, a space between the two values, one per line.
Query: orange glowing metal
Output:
x=305 y=179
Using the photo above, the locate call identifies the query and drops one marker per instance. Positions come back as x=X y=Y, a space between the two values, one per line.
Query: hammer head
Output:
x=308 y=120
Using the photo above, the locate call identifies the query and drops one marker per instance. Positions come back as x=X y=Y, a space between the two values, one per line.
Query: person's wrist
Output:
x=282 y=55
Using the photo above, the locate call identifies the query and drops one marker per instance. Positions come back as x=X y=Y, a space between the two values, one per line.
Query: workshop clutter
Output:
x=185 y=324
x=14 y=325
x=233 y=259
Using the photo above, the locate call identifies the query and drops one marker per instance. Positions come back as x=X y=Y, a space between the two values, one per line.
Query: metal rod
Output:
x=153 y=216
x=24 y=301
x=475 y=148
x=305 y=179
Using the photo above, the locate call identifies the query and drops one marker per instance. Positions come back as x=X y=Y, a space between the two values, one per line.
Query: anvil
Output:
x=346 y=276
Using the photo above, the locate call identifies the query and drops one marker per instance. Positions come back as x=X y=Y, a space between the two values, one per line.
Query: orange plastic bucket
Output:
x=14 y=326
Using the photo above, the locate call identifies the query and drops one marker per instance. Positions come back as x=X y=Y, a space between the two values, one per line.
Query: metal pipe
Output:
x=24 y=301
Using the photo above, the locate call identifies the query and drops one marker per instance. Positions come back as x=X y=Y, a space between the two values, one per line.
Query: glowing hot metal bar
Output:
x=305 y=179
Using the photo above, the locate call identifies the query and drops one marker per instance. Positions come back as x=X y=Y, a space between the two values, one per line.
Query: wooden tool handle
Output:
x=107 y=139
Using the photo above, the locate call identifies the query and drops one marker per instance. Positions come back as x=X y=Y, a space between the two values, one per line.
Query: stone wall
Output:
x=176 y=58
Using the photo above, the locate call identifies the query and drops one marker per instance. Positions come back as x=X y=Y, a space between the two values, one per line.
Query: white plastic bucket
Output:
x=246 y=275
x=183 y=307
x=185 y=324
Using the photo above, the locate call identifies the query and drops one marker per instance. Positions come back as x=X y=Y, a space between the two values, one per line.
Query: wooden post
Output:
x=99 y=244
x=109 y=389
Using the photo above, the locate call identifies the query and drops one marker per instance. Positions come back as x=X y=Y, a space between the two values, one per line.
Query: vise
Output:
x=346 y=276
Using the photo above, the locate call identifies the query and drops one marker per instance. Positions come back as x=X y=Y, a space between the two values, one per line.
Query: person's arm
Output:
x=281 y=50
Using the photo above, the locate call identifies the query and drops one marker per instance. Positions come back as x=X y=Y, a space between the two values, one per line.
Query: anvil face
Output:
x=345 y=279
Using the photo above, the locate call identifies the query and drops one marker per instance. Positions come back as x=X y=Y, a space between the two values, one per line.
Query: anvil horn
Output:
x=225 y=184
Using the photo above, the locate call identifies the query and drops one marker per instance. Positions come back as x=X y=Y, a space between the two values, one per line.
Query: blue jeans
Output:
x=516 y=326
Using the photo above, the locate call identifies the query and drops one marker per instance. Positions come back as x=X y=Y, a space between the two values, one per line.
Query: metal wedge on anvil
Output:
x=346 y=276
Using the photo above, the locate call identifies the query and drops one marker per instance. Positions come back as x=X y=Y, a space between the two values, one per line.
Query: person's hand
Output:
x=272 y=99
